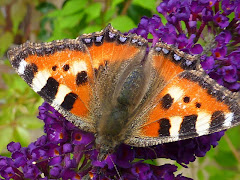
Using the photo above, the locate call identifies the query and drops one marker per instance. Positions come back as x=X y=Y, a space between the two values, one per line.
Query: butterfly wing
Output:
x=189 y=103
x=61 y=72
x=79 y=76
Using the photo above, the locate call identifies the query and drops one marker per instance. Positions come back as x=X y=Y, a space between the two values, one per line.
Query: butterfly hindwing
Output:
x=189 y=104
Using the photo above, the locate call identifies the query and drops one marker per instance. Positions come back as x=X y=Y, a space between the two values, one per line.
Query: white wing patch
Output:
x=203 y=123
x=62 y=92
x=228 y=119
x=79 y=66
x=176 y=93
x=40 y=80
x=175 y=125
x=22 y=67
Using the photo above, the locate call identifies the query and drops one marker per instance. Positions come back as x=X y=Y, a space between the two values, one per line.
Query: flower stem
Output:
x=199 y=32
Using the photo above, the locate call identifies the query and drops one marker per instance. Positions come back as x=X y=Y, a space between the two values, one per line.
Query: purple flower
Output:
x=208 y=63
x=221 y=20
x=219 y=52
x=223 y=38
x=229 y=73
x=53 y=158
x=207 y=14
x=237 y=12
x=228 y=6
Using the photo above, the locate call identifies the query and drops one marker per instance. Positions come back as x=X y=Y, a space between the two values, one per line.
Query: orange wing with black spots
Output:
x=70 y=74
x=189 y=104
x=61 y=72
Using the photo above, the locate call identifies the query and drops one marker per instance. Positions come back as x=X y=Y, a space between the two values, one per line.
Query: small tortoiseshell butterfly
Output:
x=105 y=83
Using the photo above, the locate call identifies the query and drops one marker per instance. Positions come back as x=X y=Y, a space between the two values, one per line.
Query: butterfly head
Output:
x=105 y=146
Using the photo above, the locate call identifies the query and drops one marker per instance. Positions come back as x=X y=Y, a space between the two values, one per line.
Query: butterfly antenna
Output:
x=47 y=159
x=115 y=167
x=153 y=151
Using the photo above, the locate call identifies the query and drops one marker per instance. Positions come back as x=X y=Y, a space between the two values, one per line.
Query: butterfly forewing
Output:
x=60 y=72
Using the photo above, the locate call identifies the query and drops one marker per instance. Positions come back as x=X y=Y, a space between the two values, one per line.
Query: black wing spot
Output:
x=50 y=89
x=164 y=127
x=167 y=101
x=198 y=105
x=54 y=68
x=188 y=125
x=29 y=72
x=186 y=99
x=69 y=101
x=66 y=67
x=217 y=119
x=81 y=78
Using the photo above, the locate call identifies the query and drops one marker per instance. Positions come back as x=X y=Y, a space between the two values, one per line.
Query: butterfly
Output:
x=106 y=83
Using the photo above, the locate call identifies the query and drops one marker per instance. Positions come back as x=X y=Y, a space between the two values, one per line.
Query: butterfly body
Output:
x=107 y=84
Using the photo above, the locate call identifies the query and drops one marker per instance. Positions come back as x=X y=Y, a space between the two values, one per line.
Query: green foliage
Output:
x=78 y=17
x=18 y=111
x=221 y=162
x=128 y=23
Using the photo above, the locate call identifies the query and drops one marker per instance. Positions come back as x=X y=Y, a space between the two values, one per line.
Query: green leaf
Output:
x=21 y=135
x=71 y=21
x=73 y=6
x=53 y=14
x=116 y=2
x=18 y=11
x=226 y=158
x=109 y=14
x=200 y=175
x=14 y=82
x=6 y=114
x=147 y=4
x=6 y=134
x=123 y=23
x=6 y=40
x=90 y=29
x=215 y=173
x=30 y=122
x=93 y=11
x=223 y=146
x=233 y=134
x=45 y=7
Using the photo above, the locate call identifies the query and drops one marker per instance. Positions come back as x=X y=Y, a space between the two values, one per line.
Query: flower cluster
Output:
x=192 y=23
x=66 y=152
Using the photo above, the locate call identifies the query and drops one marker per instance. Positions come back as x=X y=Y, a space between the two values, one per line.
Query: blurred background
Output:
x=47 y=20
